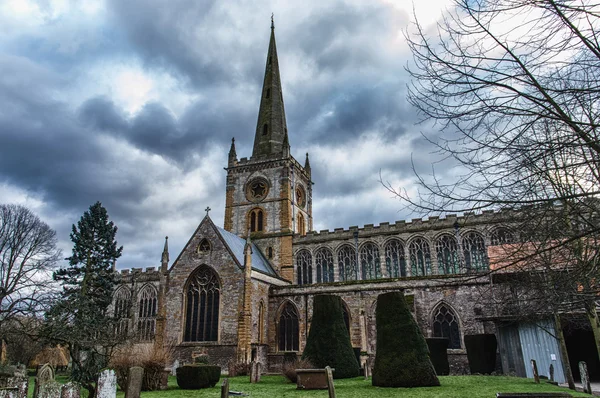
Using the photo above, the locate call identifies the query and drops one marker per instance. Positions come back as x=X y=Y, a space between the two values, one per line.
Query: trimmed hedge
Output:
x=195 y=377
x=402 y=358
x=481 y=352
x=328 y=342
x=438 y=352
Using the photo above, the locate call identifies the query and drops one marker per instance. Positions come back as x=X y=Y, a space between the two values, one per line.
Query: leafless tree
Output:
x=514 y=85
x=28 y=253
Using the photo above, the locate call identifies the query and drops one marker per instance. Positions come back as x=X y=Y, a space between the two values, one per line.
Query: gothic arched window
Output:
x=288 y=328
x=304 y=267
x=147 y=306
x=324 y=262
x=347 y=263
x=394 y=259
x=420 y=257
x=204 y=246
x=122 y=302
x=447 y=255
x=445 y=324
x=474 y=251
x=301 y=225
x=256 y=220
x=202 y=305
x=501 y=236
x=369 y=260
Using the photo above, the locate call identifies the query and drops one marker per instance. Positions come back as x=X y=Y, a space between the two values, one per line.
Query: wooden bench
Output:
x=533 y=395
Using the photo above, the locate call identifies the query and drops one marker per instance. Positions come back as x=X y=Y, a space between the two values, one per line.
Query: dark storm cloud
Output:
x=102 y=114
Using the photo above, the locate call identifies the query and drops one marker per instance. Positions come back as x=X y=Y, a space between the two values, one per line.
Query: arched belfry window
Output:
x=147 y=307
x=256 y=219
x=202 y=293
x=420 y=257
x=301 y=225
x=369 y=260
x=475 y=253
x=304 y=267
x=288 y=328
x=447 y=255
x=394 y=259
x=122 y=302
x=445 y=324
x=324 y=263
x=347 y=263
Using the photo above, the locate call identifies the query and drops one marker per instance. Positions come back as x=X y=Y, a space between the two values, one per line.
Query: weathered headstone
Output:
x=21 y=383
x=134 y=382
x=225 y=389
x=8 y=392
x=330 y=386
x=107 y=384
x=70 y=390
x=367 y=370
x=50 y=389
x=255 y=372
x=536 y=376
x=551 y=372
x=585 y=377
x=44 y=375
x=174 y=368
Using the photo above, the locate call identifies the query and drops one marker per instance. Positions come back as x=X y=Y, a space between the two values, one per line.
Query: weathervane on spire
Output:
x=272 y=22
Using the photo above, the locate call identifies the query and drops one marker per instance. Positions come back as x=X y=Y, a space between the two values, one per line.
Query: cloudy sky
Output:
x=133 y=103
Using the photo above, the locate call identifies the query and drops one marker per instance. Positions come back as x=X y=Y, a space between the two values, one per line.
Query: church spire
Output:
x=271 y=127
x=165 y=256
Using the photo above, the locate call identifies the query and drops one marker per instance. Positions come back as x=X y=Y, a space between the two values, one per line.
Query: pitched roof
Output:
x=237 y=245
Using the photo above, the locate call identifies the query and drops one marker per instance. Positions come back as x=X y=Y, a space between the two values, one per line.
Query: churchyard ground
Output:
x=278 y=386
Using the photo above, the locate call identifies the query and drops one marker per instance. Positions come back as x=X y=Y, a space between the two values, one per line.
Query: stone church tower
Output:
x=269 y=195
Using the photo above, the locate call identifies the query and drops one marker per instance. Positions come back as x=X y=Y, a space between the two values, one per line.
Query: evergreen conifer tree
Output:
x=328 y=342
x=80 y=317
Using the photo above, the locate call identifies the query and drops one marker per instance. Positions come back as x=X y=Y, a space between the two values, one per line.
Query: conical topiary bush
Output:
x=328 y=342
x=402 y=358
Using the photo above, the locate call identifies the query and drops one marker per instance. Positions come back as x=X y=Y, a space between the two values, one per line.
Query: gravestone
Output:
x=254 y=372
x=536 y=376
x=21 y=383
x=107 y=384
x=50 y=389
x=585 y=377
x=174 y=368
x=330 y=386
x=225 y=389
x=367 y=370
x=70 y=390
x=8 y=392
x=551 y=372
x=134 y=382
x=44 y=375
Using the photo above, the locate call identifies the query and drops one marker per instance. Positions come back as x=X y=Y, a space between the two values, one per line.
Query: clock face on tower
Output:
x=300 y=196
x=257 y=189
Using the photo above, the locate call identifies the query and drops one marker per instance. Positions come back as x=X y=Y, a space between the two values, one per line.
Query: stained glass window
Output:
x=447 y=255
x=445 y=325
x=420 y=257
x=474 y=251
x=202 y=306
x=394 y=259
x=122 y=301
x=304 y=267
x=501 y=236
x=288 y=329
x=324 y=262
x=147 y=306
x=347 y=263
x=370 y=262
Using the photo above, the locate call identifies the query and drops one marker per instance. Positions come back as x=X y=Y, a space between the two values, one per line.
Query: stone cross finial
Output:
x=207 y=210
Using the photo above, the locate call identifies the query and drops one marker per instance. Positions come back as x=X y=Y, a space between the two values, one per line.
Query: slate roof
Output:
x=237 y=244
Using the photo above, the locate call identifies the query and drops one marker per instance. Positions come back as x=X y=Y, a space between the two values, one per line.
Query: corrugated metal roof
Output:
x=237 y=244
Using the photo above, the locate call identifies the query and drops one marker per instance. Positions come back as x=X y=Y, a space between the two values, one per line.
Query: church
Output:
x=243 y=291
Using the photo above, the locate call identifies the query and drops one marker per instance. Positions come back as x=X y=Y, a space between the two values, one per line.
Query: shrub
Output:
x=195 y=377
x=289 y=368
x=438 y=352
x=238 y=369
x=328 y=342
x=289 y=357
x=152 y=359
x=481 y=352
x=202 y=359
x=402 y=358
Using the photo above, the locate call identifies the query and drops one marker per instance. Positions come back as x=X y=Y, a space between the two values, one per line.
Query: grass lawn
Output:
x=452 y=386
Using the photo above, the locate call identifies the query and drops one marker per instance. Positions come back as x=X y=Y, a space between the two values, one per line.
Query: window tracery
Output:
x=301 y=224
x=475 y=252
x=348 y=269
x=122 y=300
x=324 y=263
x=202 y=295
x=304 y=267
x=370 y=262
x=288 y=328
x=445 y=324
x=501 y=236
x=256 y=220
x=447 y=255
x=147 y=307
x=420 y=257
x=204 y=246
x=394 y=259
